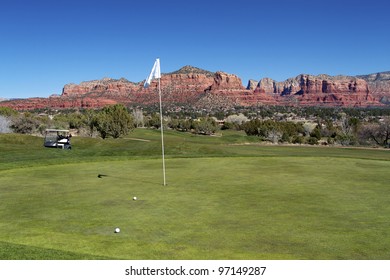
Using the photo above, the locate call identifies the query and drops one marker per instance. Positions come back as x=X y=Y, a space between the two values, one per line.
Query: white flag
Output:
x=154 y=74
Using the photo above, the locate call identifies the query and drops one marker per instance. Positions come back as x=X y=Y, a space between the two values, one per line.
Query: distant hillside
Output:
x=376 y=77
x=202 y=89
x=192 y=70
x=379 y=85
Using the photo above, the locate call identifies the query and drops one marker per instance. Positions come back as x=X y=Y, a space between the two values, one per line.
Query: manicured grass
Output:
x=223 y=201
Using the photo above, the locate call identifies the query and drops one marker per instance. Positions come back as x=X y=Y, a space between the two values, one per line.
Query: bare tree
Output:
x=138 y=117
x=378 y=133
x=274 y=135
x=5 y=124
x=345 y=126
x=308 y=128
x=237 y=119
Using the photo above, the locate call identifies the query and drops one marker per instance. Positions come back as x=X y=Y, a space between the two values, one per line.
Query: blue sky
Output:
x=47 y=44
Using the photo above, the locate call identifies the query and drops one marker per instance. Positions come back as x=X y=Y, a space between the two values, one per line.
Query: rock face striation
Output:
x=183 y=87
x=308 y=84
x=105 y=85
x=379 y=85
x=378 y=82
x=191 y=86
x=319 y=90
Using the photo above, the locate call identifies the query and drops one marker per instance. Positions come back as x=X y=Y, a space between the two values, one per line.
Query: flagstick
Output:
x=162 y=131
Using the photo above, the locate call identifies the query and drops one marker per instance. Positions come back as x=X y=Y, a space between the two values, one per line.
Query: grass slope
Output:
x=225 y=199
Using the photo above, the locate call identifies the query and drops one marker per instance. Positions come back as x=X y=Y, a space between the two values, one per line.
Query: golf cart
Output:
x=57 y=138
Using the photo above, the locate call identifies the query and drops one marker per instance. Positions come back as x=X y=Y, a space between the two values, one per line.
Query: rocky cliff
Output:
x=308 y=84
x=191 y=86
x=378 y=82
x=319 y=90
x=106 y=85
x=183 y=87
x=379 y=85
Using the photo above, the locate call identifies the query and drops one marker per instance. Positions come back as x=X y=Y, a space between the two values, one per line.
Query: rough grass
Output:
x=223 y=201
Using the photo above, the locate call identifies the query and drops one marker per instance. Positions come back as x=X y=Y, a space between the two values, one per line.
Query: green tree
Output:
x=206 y=125
x=312 y=141
x=90 y=121
x=25 y=123
x=316 y=133
x=227 y=125
x=154 y=121
x=76 y=120
x=185 y=125
x=8 y=112
x=252 y=127
x=273 y=131
x=114 y=121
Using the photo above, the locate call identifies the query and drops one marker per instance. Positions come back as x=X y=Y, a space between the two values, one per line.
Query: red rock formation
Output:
x=252 y=84
x=379 y=85
x=106 y=85
x=266 y=85
x=308 y=84
x=203 y=89
x=311 y=90
x=226 y=82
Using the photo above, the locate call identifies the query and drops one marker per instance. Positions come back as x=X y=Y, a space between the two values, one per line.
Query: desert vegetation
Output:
x=273 y=124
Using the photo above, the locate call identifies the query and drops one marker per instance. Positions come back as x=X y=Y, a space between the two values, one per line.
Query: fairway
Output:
x=222 y=201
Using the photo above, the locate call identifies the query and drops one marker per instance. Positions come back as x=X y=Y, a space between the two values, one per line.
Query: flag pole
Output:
x=162 y=131
x=156 y=74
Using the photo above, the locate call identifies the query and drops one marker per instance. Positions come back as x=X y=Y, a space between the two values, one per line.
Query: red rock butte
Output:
x=191 y=86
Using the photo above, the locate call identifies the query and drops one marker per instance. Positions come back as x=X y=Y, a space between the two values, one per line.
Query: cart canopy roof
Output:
x=56 y=130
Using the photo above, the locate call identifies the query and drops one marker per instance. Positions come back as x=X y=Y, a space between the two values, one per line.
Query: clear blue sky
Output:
x=47 y=44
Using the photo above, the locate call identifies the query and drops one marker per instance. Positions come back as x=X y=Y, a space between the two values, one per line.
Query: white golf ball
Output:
x=134 y=198
x=117 y=230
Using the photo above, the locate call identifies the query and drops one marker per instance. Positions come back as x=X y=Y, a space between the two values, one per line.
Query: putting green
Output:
x=212 y=208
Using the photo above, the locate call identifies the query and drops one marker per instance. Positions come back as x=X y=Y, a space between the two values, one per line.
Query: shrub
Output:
x=205 y=126
x=312 y=141
x=114 y=121
x=298 y=139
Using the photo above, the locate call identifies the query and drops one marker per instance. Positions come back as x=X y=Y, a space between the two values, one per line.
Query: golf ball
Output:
x=117 y=230
x=134 y=198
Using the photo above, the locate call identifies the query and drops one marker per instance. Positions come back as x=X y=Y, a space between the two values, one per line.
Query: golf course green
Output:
x=227 y=197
